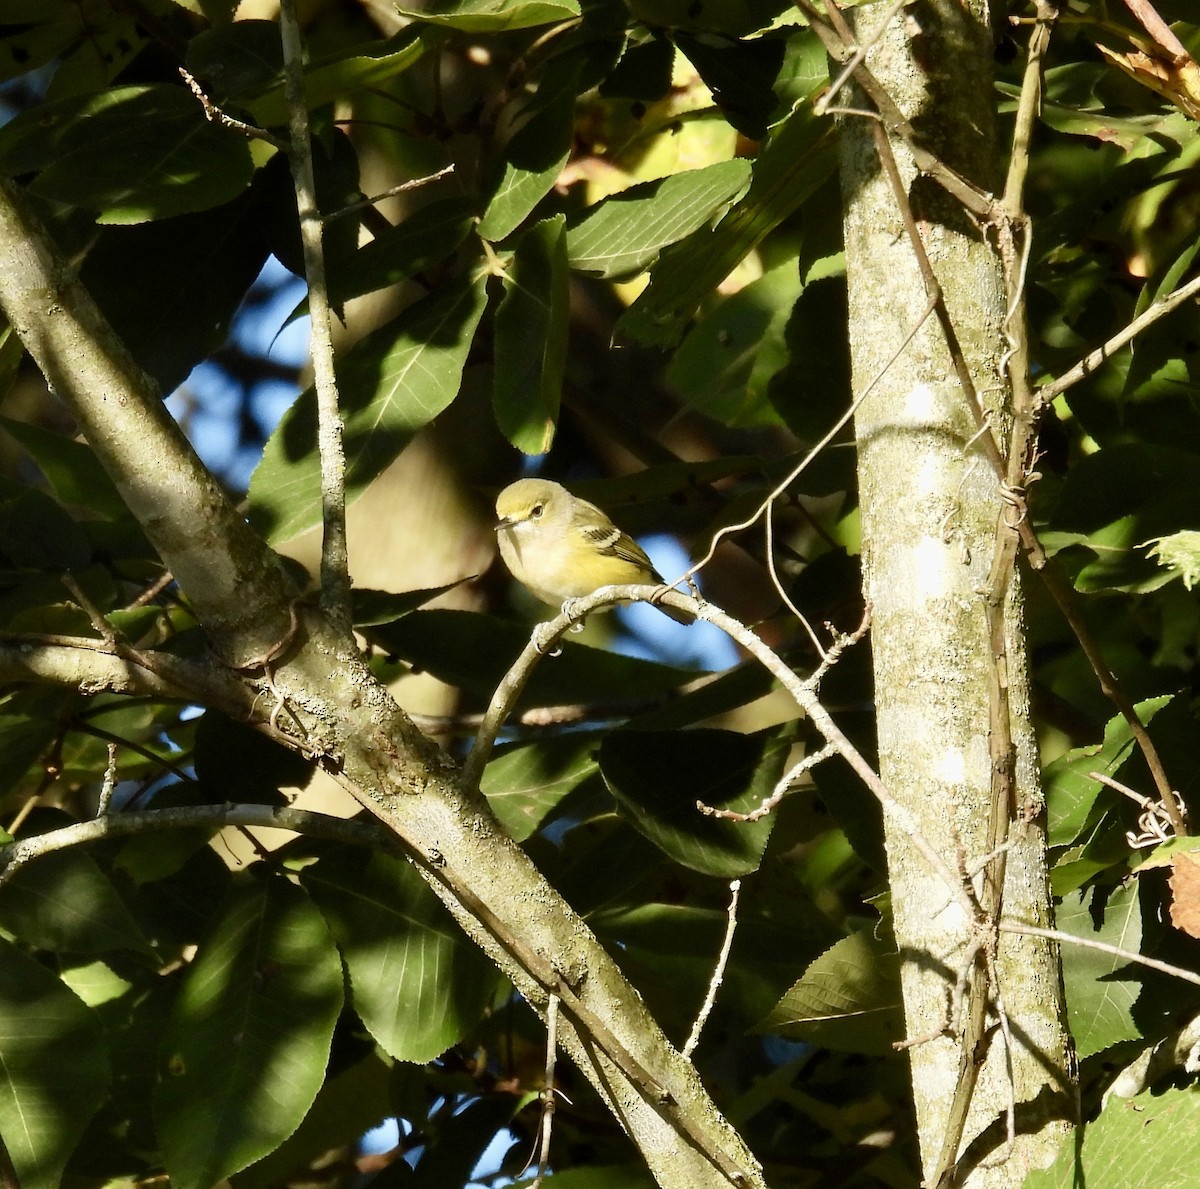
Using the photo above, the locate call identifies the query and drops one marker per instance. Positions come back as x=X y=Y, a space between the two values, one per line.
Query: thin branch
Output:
x=215 y=115
x=403 y=188
x=110 y=781
x=92 y=666
x=546 y=1123
x=782 y=787
x=335 y=574
x=718 y=975
x=1103 y=947
x=1095 y=359
x=547 y=634
x=118 y=825
x=855 y=60
x=769 y=524
x=1162 y=33
x=839 y=42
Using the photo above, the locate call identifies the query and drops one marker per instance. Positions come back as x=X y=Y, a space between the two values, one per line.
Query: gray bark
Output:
x=930 y=507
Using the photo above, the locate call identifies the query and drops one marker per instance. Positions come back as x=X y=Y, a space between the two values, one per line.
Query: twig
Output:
x=782 y=787
x=769 y=523
x=90 y=728
x=110 y=781
x=546 y=1123
x=838 y=40
x=718 y=974
x=548 y=633
x=856 y=59
x=1094 y=359
x=215 y=115
x=335 y=576
x=1103 y=947
x=114 y=825
x=104 y=629
x=1162 y=33
x=403 y=188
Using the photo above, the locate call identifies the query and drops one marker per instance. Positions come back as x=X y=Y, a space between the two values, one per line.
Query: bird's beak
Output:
x=503 y=522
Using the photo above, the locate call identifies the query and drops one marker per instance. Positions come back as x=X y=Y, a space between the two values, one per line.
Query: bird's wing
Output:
x=605 y=535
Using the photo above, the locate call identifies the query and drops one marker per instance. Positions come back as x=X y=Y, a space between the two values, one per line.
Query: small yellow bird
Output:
x=561 y=547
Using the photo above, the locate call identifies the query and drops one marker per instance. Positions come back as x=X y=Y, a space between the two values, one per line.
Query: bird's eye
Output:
x=536 y=511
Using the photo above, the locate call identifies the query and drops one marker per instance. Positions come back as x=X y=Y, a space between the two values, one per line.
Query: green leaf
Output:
x=1070 y=792
x=425 y=238
x=1116 y=500
x=535 y=153
x=64 y=902
x=53 y=1068
x=23 y=738
x=1099 y=1002
x=657 y=777
x=493 y=16
x=236 y=58
x=71 y=468
x=345 y=72
x=796 y=161
x=346 y=1108
x=245 y=1051
x=461 y=1140
x=172 y=287
x=148 y=154
x=374 y=608
x=740 y=74
x=524 y=783
x=1135 y=1143
x=392 y=384
x=531 y=338
x=723 y=367
x=474 y=652
x=848 y=999
x=36 y=533
x=416 y=981
x=234 y=762
x=623 y=235
x=669 y=950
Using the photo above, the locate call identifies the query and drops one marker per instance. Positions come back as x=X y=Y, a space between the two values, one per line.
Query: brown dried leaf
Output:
x=1177 y=81
x=1185 y=894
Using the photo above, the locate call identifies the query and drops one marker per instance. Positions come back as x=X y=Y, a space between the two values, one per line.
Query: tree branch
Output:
x=246 y=602
x=119 y=825
x=335 y=566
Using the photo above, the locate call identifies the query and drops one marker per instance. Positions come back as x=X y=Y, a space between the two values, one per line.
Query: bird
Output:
x=560 y=547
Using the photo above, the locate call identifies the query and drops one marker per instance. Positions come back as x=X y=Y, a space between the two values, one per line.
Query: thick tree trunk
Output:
x=930 y=509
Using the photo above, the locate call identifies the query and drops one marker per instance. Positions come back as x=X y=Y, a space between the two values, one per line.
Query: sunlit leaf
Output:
x=147 y=153
x=53 y=1068
x=415 y=979
x=246 y=1047
x=526 y=782
x=1071 y=792
x=1135 y=1143
x=392 y=384
x=657 y=778
x=849 y=998
x=493 y=16
x=531 y=338
x=1099 y=1000
x=792 y=166
x=534 y=155
x=624 y=234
